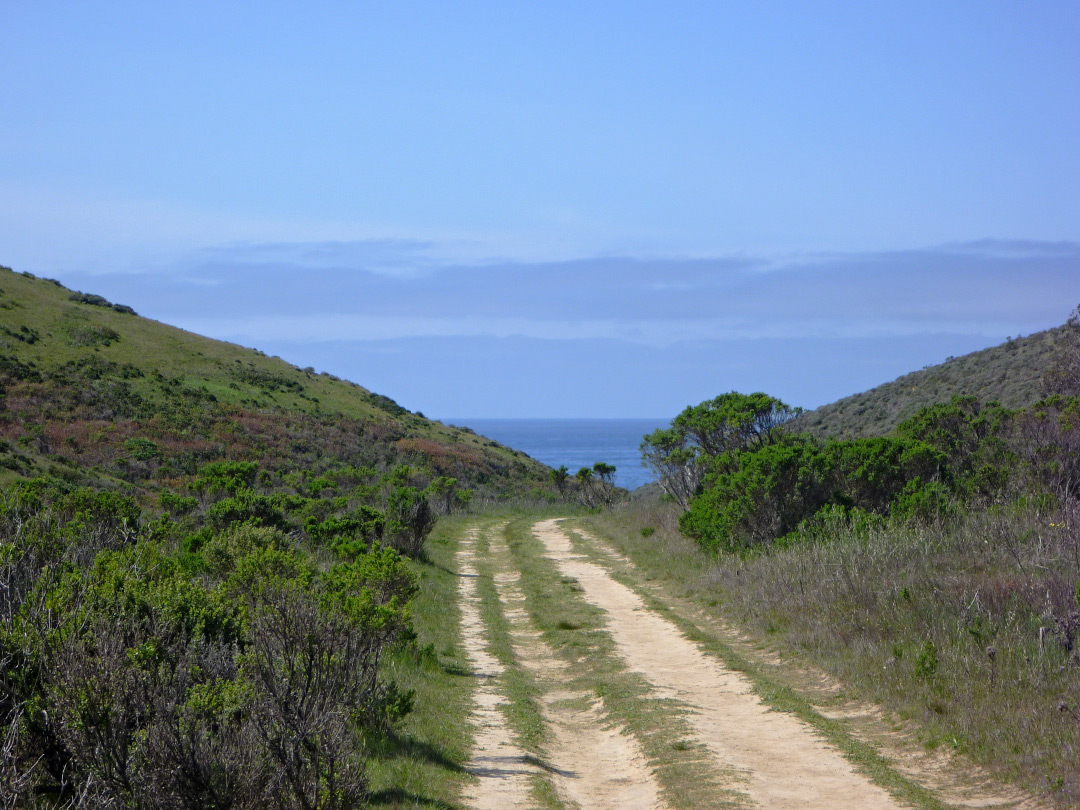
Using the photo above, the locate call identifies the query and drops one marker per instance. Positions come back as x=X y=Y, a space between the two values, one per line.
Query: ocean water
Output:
x=576 y=443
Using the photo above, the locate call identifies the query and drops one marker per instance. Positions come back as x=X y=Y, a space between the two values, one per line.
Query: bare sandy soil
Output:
x=502 y=768
x=766 y=758
x=780 y=761
x=592 y=762
x=589 y=761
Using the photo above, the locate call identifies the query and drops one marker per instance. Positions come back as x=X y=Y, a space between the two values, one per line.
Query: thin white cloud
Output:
x=658 y=333
x=398 y=288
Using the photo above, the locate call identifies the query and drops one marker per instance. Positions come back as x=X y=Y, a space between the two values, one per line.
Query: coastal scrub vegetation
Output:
x=934 y=569
x=94 y=395
x=221 y=651
x=1011 y=373
x=208 y=566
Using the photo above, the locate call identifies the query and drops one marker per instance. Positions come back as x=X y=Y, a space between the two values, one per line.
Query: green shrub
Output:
x=176 y=504
x=754 y=497
x=142 y=449
x=926 y=663
x=248 y=507
x=363 y=526
x=923 y=501
x=758 y=493
x=225 y=476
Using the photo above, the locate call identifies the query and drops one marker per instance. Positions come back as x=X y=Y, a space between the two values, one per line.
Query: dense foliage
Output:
x=729 y=424
x=221 y=651
x=746 y=480
x=947 y=457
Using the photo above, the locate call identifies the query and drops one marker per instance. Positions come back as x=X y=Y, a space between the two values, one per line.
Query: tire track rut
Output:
x=781 y=762
x=504 y=771
x=591 y=763
x=594 y=764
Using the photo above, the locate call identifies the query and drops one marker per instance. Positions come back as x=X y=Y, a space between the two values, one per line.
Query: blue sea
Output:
x=576 y=443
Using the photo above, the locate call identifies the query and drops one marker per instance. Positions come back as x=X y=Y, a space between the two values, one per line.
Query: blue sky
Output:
x=556 y=209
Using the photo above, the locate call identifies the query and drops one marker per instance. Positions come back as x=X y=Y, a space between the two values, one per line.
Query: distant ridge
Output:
x=1010 y=373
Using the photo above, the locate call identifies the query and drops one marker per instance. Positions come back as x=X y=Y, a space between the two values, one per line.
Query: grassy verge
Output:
x=422 y=764
x=966 y=629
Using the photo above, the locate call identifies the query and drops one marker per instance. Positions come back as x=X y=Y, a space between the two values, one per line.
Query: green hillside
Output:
x=1010 y=373
x=83 y=381
x=208 y=565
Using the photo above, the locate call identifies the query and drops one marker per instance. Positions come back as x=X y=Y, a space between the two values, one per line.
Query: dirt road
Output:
x=575 y=749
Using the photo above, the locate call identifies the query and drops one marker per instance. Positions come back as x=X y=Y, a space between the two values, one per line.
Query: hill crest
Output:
x=1010 y=373
x=80 y=376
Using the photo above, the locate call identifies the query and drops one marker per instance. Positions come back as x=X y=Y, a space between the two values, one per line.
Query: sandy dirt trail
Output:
x=503 y=769
x=780 y=762
x=592 y=763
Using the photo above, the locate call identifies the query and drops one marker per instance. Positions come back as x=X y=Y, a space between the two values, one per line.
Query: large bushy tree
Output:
x=729 y=423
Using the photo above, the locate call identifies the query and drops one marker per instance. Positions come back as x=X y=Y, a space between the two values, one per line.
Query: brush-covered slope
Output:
x=1010 y=373
x=93 y=393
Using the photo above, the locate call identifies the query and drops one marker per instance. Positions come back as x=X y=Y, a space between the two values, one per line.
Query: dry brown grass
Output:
x=971 y=629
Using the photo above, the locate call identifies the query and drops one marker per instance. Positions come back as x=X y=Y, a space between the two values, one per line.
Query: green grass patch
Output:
x=422 y=762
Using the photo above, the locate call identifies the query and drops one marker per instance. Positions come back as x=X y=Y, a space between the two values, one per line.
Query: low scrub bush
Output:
x=944 y=459
x=225 y=667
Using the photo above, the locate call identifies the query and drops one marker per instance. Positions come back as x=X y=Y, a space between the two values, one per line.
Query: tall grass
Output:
x=970 y=627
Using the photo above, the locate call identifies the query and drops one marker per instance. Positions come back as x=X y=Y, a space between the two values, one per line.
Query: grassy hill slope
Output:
x=84 y=381
x=207 y=560
x=1010 y=373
